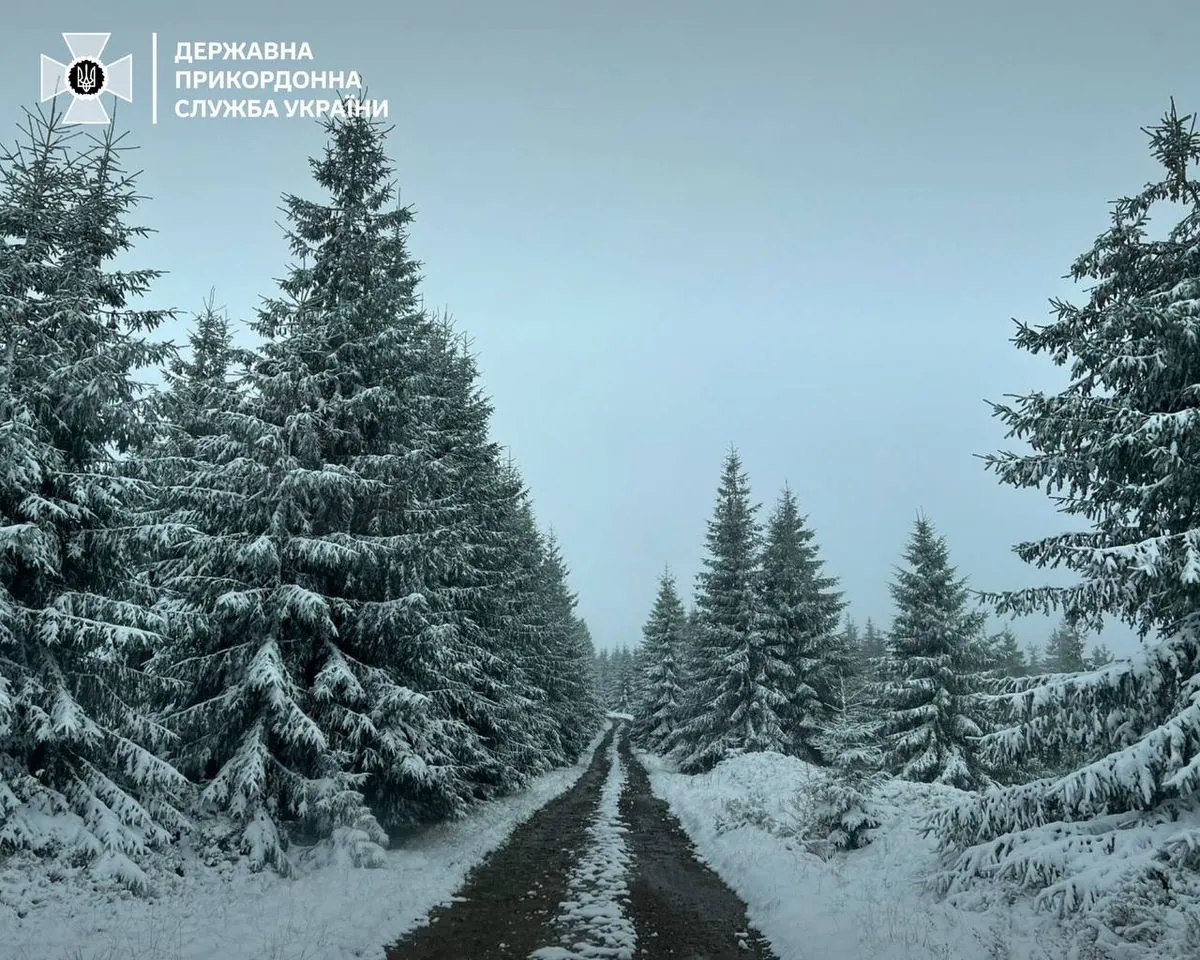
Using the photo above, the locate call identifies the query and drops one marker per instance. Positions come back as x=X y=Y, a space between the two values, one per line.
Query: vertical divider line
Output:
x=154 y=78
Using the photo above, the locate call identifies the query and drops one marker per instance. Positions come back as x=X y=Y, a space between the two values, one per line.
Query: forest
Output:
x=295 y=597
x=295 y=593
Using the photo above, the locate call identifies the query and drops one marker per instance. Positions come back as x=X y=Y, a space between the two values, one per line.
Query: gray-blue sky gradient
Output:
x=801 y=228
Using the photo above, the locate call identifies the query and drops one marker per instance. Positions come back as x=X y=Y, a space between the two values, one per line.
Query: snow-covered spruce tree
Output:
x=1100 y=656
x=81 y=768
x=690 y=663
x=541 y=631
x=1033 y=660
x=868 y=649
x=613 y=683
x=637 y=678
x=619 y=690
x=1064 y=652
x=1118 y=448
x=874 y=644
x=583 y=649
x=604 y=678
x=852 y=640
x=198 y=386
x=476 y=548
x=844 y=812
x=520 y=622
x=743 y=682
x=1006 y=656
x=858 y=674
x=930 y=716
x=574 y=706
x=801 y=612
x=692 y=656
x=201 y=382
x=656 y=711
x=326 y=665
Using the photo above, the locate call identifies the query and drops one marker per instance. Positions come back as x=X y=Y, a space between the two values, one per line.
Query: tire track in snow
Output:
x=592 y=918
x=503 y=910
x=681 y=908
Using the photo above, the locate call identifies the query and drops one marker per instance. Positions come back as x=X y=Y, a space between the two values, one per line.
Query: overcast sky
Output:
x=800 y=228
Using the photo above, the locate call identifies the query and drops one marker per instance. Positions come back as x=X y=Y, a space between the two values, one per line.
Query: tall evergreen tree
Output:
x=602 y=670
x=298 y=693
x=542 y=633
x=81 y=738
x=1117 y=447
x=852 y=640
x=582 y=660
x=1006 y=655
x=624 y=678
x=742 y=681
x=874 y=644
x=1034 y=664
x=201 y=383
x=690 y=664
x=459 y=504
x=512 y=562
x=801 y=611
x=935 y=651
x=1100 y=656
x=872 y=653
x=656 y=712
x=386 y=627
x=1065 y=649
x=574 y=706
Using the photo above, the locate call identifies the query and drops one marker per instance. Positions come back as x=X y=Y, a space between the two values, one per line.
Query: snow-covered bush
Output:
x=842 y=808
x=841 y=805
x=754 y=810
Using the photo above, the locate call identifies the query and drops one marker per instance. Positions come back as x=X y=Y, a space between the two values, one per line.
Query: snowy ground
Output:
x=593 y=922
x=746 y=819
x=330 y=913
x=863 y=905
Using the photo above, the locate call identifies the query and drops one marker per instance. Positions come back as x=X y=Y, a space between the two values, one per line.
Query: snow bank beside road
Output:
x=746 y=818
x=331 y=913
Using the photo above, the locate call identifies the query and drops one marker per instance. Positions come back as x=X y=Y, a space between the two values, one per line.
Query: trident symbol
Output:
x=85 y=77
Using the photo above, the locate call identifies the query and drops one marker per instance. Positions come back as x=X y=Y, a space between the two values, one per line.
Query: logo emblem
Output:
x=86 y=77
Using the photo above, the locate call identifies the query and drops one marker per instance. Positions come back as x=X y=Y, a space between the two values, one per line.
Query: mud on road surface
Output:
x=506 y=910
x=503 y=910
x=682 y=910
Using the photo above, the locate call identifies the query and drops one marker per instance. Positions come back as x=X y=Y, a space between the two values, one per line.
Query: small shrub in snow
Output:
x=842 y=810
x=844 y=814
x=753 y=811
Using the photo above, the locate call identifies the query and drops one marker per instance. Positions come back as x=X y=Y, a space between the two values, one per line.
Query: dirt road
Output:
x=513 y=905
